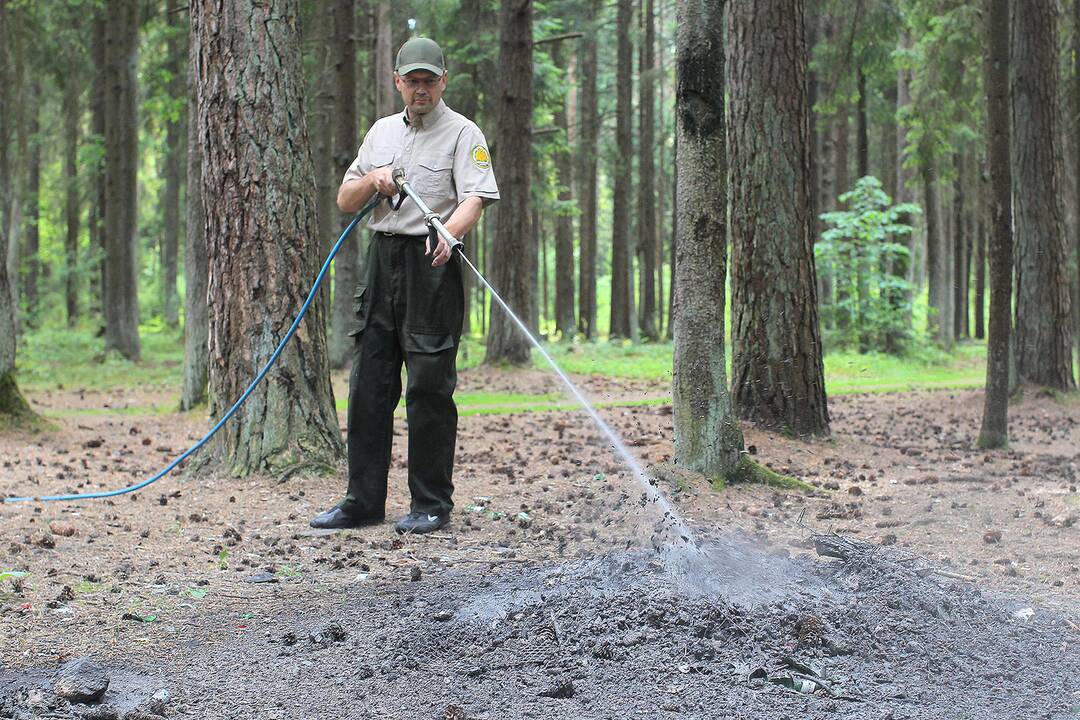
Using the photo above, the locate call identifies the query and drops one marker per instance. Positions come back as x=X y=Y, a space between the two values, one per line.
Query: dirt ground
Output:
x=215 y=591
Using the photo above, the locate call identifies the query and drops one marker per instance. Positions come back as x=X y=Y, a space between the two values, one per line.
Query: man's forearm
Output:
x=465 y=217
x=354 y=193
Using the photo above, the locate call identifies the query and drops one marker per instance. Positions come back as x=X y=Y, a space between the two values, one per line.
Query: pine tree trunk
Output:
x=564 y=223
x=319 y=109
x=904 y=266
x=1076 y=167
x=586 y=151
x=778 y=373
x=258 y=190
x=979 y=265
x=121 y=166
x=386 y=100
x=513 y=264
x=343 y=132
x=174 y=153
x=97 y=178
x=995 y=421
x=708 y=438
x=621 y=240
x=72 y=117
x=833 y=283
x=646 y=172
x=1043 y=314
x=960 y=201
x=196 y=269
x=31 y=261
x=11 y=401
x=937 y=305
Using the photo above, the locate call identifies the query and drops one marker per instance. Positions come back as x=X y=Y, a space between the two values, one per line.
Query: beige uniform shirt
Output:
x=446 y=160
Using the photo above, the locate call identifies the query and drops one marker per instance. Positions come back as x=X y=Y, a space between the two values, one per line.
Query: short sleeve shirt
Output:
x=446 y=160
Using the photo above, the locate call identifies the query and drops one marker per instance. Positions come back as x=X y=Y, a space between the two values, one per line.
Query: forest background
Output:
x=897 y=140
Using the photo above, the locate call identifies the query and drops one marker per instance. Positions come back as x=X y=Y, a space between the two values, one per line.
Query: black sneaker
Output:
x=419 y=522
x=337 y=519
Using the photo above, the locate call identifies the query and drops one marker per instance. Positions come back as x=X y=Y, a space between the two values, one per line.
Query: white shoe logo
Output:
x=432 y=518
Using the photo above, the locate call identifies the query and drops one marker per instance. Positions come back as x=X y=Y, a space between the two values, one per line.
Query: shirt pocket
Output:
x=382 y=156
x=433 y=175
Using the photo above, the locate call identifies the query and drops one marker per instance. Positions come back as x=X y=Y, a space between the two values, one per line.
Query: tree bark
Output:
x=196 y=270
x=621 y=287
x=646 y=171
x=564 y=222
x=959 y=289
x=980 y=255
x=386 y=101
x=778 y=373
x=1043 y=314
x=72 y=116
x=904 y=266
x=995 y=421
x=32 y=248
x=345 y=141
x=1076 y=167
x=97 y=176
x=121 y=166
x=708 y=438
x=586 y=151
x=937 y=305
x=258 y=188
x=512 y=272
x=174 y=152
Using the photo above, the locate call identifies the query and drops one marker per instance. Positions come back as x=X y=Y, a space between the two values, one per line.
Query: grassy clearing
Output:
x=61 y=359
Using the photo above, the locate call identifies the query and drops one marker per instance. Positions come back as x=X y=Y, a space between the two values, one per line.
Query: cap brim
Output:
x=412 y=67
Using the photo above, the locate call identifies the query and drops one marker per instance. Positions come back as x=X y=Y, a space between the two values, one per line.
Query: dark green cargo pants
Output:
x=406 y=311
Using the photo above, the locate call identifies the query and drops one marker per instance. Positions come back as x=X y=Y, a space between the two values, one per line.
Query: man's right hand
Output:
x=383 y=180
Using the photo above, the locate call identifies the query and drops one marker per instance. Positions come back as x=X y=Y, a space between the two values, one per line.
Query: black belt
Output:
x=401 y=236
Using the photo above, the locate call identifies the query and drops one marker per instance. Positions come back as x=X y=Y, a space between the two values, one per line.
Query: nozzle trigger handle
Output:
x=399 y=177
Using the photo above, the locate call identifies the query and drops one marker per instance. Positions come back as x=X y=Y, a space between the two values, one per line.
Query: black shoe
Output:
x=335 y=519
x=418 y=522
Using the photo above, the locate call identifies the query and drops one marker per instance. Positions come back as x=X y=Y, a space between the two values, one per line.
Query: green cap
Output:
x=420 y=54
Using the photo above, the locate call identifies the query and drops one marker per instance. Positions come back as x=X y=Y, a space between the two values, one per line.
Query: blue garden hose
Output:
x=258 y=378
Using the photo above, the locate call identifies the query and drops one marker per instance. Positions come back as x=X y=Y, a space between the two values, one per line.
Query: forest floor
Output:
x=210 y=597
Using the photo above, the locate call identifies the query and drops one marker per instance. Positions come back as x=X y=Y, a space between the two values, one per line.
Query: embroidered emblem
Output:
x=480 y=157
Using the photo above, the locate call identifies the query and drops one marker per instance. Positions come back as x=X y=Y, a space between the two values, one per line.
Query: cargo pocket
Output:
x=433 y=175
x=361 y=308
x=427 y=342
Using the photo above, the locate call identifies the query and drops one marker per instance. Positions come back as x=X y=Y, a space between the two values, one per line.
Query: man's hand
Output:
x=383 y=180
x=442 y=252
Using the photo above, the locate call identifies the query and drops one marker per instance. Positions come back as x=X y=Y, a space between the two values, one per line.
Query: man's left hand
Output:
x=442 y=252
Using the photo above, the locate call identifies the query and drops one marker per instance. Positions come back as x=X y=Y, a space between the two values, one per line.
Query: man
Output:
x=410 y=306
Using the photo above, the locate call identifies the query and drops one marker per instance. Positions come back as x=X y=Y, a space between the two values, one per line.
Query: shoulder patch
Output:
x=480 y=157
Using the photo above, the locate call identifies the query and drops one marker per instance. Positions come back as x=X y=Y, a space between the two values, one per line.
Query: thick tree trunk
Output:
x=646 y=172
x=1076 y=167
x=31 y=256
x=386 y=100
x=72 y=116
x=258 y=188
x=778 y=373
x=995 y=421
x=621 y=240
x=121 y=166
x=564 y=223
x=1043 y=315
x=322 y=100
x=586 y=151
x=196 y=271
x=708 y=438
x=514 y=260
x=174 y=153
x=345 y=141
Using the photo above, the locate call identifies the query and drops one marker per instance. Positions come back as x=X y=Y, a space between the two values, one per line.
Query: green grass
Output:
x=62 y=359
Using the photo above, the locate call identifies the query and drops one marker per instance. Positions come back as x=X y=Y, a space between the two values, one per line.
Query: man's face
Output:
x=421 y=90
